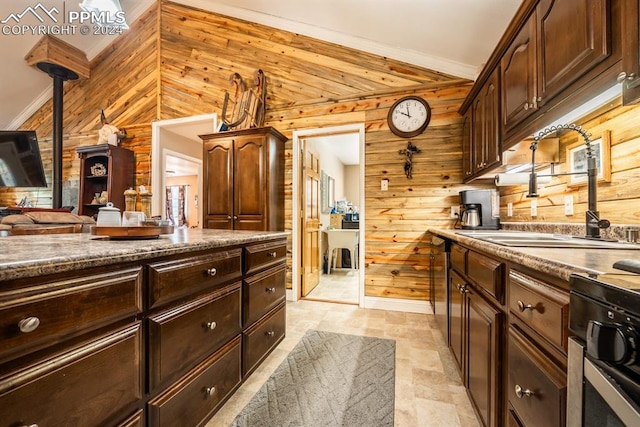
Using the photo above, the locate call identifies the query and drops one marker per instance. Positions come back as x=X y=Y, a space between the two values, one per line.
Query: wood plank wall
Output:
x=618 y=200
x=178 y=63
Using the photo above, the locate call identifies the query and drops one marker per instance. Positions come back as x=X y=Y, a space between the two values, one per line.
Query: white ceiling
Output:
x=452 y=36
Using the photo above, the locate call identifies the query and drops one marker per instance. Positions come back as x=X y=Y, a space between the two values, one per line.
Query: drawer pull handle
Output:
x=210 y=390
x=212 y=272
x=29 y=324
x=30 y=425
x=520 y=392
x=522 y=306
x=210 y=325
x=272 y=254
x=270 y=334
x=271 y=290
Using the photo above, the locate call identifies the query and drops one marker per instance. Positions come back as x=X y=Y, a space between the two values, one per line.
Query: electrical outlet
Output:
x=384 y=185
x=534 y=207
x=509 y=209
x=455 y=211
x=568 y=205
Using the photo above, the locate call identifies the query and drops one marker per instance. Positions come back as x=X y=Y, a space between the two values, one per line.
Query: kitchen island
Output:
x=135 y=332
x=504 y=312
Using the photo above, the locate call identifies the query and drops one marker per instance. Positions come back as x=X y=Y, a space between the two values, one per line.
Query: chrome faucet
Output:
x=592 y=221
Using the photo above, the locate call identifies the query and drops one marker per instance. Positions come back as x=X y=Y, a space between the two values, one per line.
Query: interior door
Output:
x=310 y=219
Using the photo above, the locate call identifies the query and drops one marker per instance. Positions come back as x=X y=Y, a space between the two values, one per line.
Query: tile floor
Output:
x=341 y=286
x=428 y=388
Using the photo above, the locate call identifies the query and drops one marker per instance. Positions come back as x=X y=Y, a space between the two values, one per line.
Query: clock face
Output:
x=409 y=116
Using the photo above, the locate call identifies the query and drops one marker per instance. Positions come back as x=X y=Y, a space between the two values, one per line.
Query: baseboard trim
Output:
x=389 y=304
x=394 y=304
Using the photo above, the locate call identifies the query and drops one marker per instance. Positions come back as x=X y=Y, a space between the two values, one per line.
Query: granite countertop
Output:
x=559 y=262
x=35 y=255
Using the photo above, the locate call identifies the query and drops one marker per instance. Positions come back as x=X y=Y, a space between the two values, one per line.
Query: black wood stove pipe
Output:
x=59 y=74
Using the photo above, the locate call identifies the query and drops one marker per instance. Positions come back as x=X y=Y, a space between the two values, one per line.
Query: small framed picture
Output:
x=577 y=160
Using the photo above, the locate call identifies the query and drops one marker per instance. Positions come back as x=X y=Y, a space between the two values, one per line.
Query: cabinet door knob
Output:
x=520 y=392
x=271 y=290
x=210 y=325
x=235 y=217
x=228 y=216
x=522 y=306
x=210 y=390
x=270 y=334
x=29 y=425
x=29 y=324
x=212 y=271
x=272 y=254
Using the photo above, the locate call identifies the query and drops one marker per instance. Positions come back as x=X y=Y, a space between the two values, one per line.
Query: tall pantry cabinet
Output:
x=244 y=180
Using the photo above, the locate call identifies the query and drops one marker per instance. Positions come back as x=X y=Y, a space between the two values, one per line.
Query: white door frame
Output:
x=295 y=233
x=204 y=123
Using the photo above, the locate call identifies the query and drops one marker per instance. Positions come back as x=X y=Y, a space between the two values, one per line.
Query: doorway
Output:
x=347 y=178
x=176 y=150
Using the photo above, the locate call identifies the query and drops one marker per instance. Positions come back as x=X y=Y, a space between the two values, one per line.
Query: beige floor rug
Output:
x=328 y=380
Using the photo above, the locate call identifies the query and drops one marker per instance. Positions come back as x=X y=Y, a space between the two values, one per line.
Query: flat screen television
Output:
x=20 y=161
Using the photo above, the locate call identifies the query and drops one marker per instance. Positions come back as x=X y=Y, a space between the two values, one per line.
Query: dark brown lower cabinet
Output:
x=163 y=341
x=537 y=388
x=508 y=329
x=476 y=339
x=91 y=383
x=484 y=333
x=197 y=395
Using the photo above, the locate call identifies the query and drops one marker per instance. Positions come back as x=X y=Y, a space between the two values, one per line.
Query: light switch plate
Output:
x=534 y=207
x=568 y=205
x=509 y=209
x=384 y=185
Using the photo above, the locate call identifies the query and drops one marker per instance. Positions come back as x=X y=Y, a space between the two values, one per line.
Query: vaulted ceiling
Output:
x=451 y=36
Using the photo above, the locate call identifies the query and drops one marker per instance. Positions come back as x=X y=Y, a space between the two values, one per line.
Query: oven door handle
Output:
x=617 y=401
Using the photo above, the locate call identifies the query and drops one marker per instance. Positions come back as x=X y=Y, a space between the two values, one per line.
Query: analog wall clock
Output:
x=409 y=116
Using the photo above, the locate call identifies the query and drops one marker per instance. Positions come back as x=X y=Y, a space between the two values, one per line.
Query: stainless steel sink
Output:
x=544 y=240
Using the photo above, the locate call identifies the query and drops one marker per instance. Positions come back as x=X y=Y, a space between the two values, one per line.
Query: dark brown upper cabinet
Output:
x=630 y=75
x=573 y=37
x=467 y=153
x=519 y=77
x=486 y=126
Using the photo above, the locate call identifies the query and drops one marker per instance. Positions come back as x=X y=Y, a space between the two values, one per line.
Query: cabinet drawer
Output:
x=261 y=338
x=257 y=257
x=487 y=273
x=90 y=384
x=263 y=292
x=532 y=372
x=173 y=279
x=458 y=258
x=541 y=307
x=136 y=420
x=182 y=336
x=65 y=308
x=196 y=396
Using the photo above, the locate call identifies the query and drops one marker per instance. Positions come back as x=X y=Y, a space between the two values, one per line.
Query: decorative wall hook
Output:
x=408 y=162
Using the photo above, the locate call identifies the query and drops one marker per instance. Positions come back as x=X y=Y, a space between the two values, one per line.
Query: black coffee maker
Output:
x=480 y=209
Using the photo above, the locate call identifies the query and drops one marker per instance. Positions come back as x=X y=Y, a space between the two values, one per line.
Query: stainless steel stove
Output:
x=604 y=358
